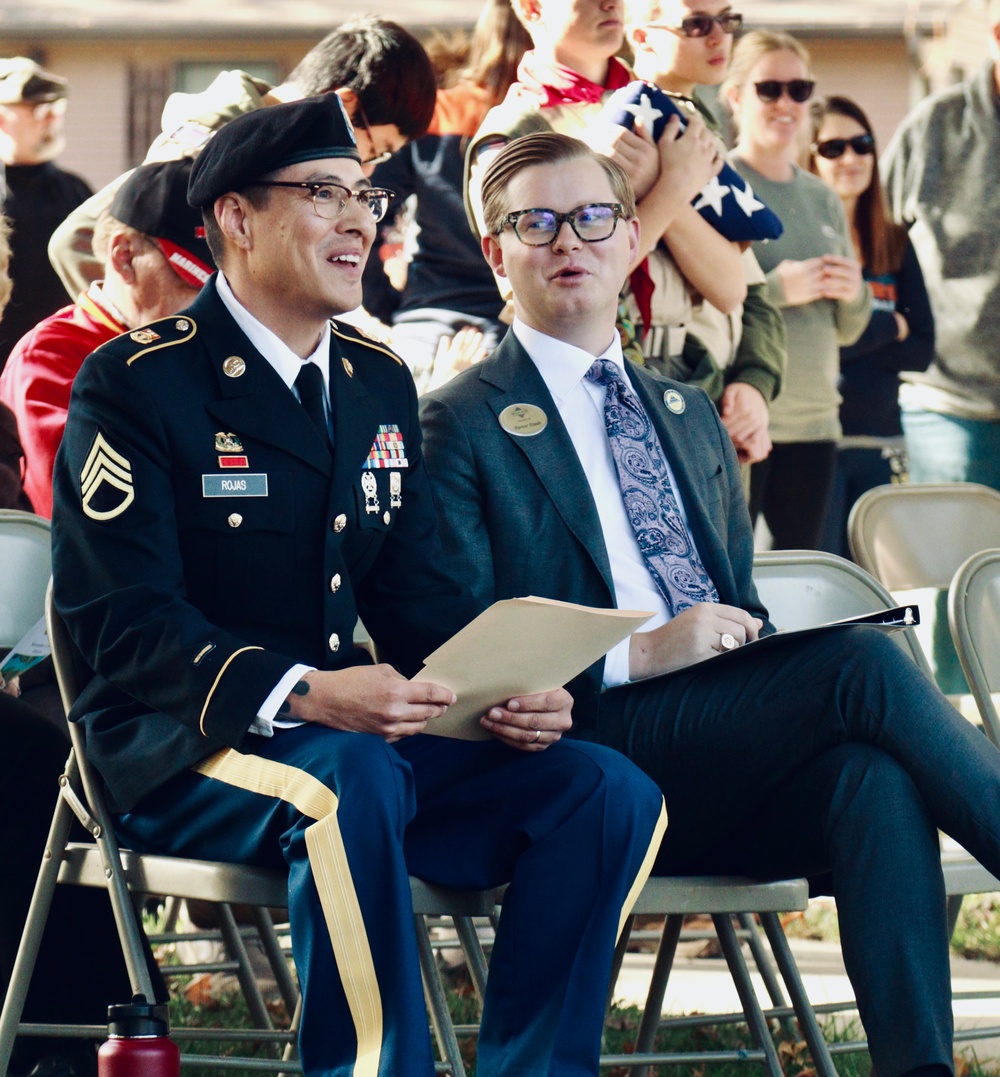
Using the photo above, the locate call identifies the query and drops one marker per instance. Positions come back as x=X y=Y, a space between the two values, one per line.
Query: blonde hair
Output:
x=750 y=50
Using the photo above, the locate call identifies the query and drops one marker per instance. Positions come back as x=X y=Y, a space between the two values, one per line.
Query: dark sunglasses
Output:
x=832 y=148
x=702 y=25
x=770 y=90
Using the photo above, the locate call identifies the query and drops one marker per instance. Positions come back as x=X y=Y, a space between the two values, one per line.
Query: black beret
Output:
x=153 y=200
x=256 y=143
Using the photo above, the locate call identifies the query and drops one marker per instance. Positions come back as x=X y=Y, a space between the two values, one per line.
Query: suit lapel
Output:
x=252 y=400
x=549 y=453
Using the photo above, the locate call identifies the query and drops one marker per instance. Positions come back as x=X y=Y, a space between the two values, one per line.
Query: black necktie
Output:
x=309 y=385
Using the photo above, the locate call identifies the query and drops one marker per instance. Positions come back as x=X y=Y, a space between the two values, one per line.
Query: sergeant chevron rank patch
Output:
x=105 y=482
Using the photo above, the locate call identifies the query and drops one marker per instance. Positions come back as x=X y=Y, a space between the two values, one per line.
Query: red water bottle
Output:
x=139 y=1043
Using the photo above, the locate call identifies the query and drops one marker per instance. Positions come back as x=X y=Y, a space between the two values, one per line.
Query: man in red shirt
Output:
x=156 y=260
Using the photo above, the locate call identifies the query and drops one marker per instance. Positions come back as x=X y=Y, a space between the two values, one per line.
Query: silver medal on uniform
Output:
x=395 y=489
x=370 y=488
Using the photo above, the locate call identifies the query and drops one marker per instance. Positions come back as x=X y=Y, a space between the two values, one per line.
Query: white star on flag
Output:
x=712 y=195
x=644 y=111
x=746 y=200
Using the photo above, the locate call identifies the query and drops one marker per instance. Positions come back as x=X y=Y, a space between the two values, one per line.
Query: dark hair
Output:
x=544 y=148
x=385 y=65
x=258 y=197
x=498 y=43
x=883 y=242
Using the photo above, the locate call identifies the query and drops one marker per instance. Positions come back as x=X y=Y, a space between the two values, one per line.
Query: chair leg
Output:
x=276 y=958
x=806 y=1015
x=474 y=955
x=765 y=967
x=31 y=936
x=665 y=954
x=954 y=911
x=291 y=1051
x=437 y=1002
x=760 y=958
x=237 y=950
x=616 y=962
x=744 y=988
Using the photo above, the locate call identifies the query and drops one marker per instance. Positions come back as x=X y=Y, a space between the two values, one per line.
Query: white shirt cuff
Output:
x=616 y=664
x=265 y=723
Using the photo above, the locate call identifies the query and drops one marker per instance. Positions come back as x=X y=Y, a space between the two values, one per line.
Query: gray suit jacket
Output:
x=517 y=514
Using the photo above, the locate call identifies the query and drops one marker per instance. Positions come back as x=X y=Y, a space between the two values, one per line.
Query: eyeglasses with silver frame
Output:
x=330 y=199
x=539 y=227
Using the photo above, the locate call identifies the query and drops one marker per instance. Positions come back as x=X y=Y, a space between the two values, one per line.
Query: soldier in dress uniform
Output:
x=236 y=484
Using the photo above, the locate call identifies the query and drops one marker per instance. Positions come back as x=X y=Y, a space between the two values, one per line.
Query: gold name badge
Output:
x=523 y=420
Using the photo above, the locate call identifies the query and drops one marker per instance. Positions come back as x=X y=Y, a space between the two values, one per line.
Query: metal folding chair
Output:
x=913 y=537
x=25 y=554
x=128 y=876
x=974 y=619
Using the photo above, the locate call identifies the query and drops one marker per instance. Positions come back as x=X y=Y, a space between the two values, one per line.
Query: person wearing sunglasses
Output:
x=737 y=357
x=813 y=276
x=900 y=335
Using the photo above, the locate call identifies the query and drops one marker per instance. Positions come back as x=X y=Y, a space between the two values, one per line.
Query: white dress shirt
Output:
x=286 y=365
x=580 y=403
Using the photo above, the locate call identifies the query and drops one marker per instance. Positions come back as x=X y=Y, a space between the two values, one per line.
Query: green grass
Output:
x=977 y=934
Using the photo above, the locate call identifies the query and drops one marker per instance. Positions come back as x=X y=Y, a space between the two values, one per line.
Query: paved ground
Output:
x=704 y=985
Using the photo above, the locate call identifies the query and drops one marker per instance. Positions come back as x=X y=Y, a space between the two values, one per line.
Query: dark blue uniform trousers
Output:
x=571 y=828
x=831 y=754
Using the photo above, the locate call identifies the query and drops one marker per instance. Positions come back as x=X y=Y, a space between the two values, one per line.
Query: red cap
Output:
x=189 y=267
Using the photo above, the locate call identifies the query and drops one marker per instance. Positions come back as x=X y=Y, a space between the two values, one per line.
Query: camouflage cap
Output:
x=22 y=80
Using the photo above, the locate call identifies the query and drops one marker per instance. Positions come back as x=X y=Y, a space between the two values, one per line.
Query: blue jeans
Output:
x=943 y=448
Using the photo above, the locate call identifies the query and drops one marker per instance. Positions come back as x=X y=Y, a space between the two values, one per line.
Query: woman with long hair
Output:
x=900 y=335
x=813 y=276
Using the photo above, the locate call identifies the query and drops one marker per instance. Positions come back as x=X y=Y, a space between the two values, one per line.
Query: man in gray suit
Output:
x=563 y=472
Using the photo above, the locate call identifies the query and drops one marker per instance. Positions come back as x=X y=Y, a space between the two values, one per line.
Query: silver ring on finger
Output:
x=728 y=642
x=534 y=739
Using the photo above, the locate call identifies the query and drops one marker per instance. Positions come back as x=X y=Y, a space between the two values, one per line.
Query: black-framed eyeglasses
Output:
x=832 y=148
x=702 y=25
x=379 y=157
x=539 y=227
x=330 y=199
x=799 y=90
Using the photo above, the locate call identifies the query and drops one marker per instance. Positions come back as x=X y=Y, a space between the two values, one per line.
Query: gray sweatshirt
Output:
x=942 y=175
x=808 y=408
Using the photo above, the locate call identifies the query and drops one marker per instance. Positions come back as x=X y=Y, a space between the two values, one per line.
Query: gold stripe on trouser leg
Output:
x=332 y=874
x=645 y=868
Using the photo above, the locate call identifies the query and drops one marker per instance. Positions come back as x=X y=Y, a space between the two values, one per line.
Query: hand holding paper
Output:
x=519 y=647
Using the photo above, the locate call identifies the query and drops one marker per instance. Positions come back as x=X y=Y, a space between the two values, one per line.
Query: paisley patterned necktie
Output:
x=650 y=503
